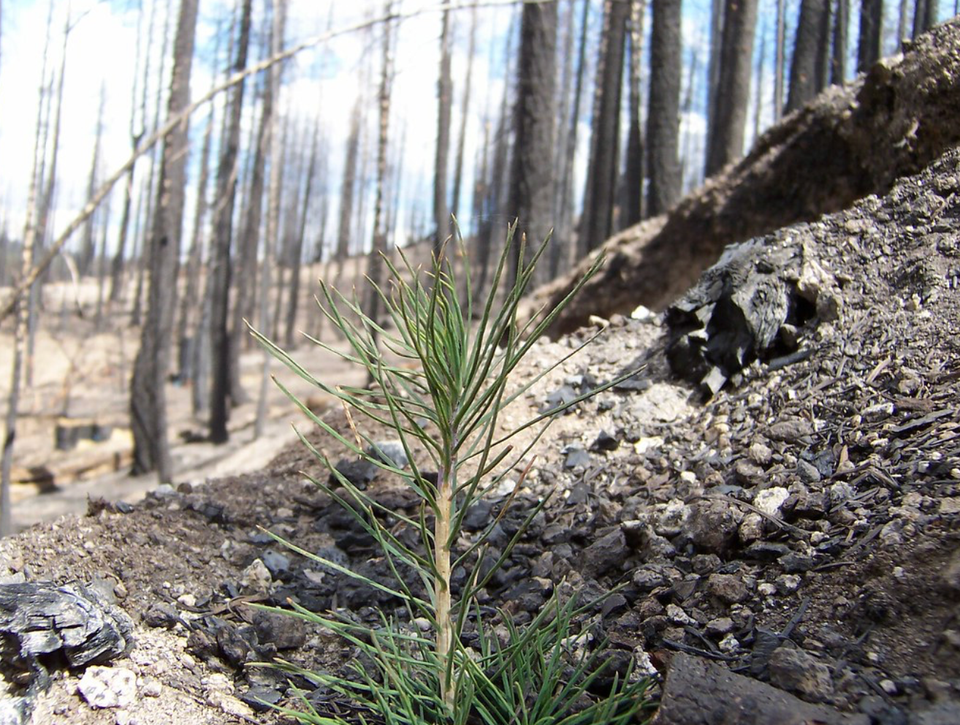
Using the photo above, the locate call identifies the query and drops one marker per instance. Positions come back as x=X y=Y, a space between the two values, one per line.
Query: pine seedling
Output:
x=443 y=399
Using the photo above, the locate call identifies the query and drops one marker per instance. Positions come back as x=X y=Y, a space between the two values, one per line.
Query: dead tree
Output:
x=441 y=212
x=221 y=389
x=273 y=205
x=530 y=195
x=148 y=409
x=728 y=117
x=596 y=224
x=663 y=116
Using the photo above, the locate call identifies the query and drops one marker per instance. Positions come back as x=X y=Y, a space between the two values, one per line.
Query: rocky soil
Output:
x=800 y=527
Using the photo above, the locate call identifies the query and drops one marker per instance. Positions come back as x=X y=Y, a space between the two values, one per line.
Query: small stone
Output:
x=767 y=589
x=799 y=671
x=808 y=472
x=790 y=430
x=760 y=454
x=787 y=583
x=606 y=554
x=751 y=529
x=672 y=518
x=605 y=442
x=770 y=500
x=261 y=698
x=719 y=627
x=727 y=588
x=256 y=577
x=161 y=614
x=793 y=563
x=390 y=453
x=704 y=563
x=676 y=615
x=576 y=457
x=729 y=644
x=949 y=506
x=150 y=687
x=275 y=562
x=712 y=527
x=104 y=687
x=280 y=630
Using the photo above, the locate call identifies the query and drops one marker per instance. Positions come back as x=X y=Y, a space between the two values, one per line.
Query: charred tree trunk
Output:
x=148 y=412
x=220 y=265
x=779 y=70
x=347 y=189
x=88 y=245
x=805 y=69
x=632 y=211
x=841 y=22
x=464 y=115
x=597 y=221
x=871 y=33
x=531 y=175
x=441 y=213
x=663 y=115
x=729 y=116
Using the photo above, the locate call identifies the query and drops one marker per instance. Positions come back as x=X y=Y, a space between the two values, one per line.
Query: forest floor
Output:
x=801 y=528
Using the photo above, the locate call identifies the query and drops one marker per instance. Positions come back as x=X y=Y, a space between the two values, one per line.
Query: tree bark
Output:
x=464 y=115
x=597 y=221
x=563 y=246
x=663 y=115
x=779 y=70
x=441 y=213
x=275 y=154
x=805 y=67
x=632 y=211
x=871 y=33
x=841 y=22
x=729 y=115
x=148 y=412
x=88 y=244
x=924 y=16
x=531 y=175
x=220 y=262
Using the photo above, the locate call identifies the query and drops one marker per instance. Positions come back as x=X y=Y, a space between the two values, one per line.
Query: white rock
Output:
x=770 y=500
x=256 y=577
x=649 y=443
x=108 y=686
x=678 y=616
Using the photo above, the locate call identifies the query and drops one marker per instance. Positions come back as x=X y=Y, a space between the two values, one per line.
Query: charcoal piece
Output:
x=358 y=472
x=38 y=619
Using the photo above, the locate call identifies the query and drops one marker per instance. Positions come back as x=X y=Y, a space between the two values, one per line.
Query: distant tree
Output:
x=531 y=175
x=924 y=16
x=871 y=33
x=805 y=71
x=145 y=206
x=270 y=239
x=378 y=246
x=464 y=115
x=88 y=245
x=729 y=116
x=841 y=21
x=222 y=390
x=441 y=212
x=596 y=224
x=148 y=410
x=116 y=265
x=632 y=211
x=663 y=117
x=348 y=187
x=779 y=63
x=562 y=251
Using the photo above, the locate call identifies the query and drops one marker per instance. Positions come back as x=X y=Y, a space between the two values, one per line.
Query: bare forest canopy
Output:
x=584 y=117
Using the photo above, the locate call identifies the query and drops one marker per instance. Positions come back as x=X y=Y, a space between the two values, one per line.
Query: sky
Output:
x=323 y=83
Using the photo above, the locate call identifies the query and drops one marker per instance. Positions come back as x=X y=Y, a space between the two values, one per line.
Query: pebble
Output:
x=798 y=671
x=727 y=588
x=104 y=687
x=256 y=577
x=676 y=615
